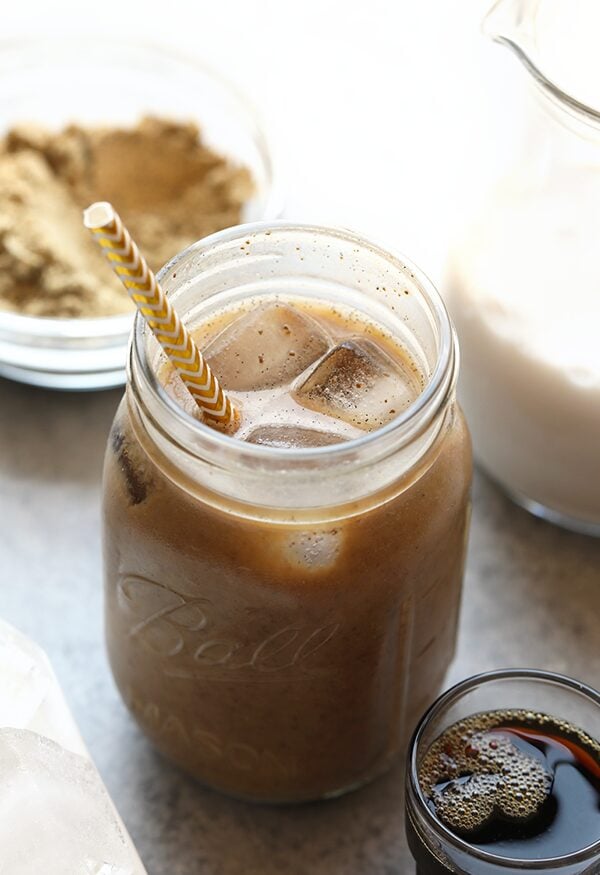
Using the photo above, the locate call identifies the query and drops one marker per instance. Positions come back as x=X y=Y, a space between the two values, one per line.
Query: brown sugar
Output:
x=168 y=186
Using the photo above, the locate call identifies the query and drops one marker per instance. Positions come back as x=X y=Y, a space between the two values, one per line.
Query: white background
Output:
x=390 y=115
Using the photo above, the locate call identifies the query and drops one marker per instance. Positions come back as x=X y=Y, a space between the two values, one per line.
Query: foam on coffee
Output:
x=475 y=773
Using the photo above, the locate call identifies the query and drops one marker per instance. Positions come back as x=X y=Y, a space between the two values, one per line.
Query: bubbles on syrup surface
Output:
x=475 y=773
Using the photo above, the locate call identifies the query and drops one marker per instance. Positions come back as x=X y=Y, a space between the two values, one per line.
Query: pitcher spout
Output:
x=564 y=69
x=511 y=22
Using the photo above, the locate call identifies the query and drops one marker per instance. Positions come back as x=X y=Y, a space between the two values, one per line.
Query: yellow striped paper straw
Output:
x=150 y=299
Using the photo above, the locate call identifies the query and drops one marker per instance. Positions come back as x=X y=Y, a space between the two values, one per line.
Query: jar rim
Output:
x=400 y=429
x=417 y=798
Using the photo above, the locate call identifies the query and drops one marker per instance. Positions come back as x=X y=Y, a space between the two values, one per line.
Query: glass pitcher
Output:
x=523 y=284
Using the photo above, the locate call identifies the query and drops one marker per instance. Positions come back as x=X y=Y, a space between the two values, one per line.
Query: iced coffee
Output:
x=282 y=602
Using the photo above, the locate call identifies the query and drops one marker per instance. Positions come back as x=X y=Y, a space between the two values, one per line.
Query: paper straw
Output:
x=150 y=299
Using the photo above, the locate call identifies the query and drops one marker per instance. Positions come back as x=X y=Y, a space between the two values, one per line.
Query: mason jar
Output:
x=277 y=618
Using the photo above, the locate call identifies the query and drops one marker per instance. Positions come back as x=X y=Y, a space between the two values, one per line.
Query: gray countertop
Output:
x=532 y=597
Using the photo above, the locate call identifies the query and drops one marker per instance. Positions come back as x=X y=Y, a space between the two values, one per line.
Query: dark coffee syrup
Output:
x=557 y=763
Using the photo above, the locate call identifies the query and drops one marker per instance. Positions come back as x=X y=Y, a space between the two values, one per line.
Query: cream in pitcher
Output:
x=523 y=283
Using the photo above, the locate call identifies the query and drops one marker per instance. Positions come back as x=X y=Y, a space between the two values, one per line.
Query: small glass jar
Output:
x=276 y=618
x=436 y=849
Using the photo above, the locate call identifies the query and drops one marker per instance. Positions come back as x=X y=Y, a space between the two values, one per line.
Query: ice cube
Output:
x=267 y=347
x=132 y=464
x=292 y=436
x=309 y=552
x=359 y=383
x=55 y=814
x=30 y=696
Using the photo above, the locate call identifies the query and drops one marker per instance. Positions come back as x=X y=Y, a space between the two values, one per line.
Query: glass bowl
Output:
x=98 y=81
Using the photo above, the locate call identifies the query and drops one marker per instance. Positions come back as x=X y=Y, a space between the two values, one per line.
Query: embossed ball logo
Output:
x=194 y=644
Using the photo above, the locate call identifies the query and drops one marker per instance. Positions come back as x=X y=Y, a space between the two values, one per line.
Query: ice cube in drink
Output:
x=359 y=383
x=292 y=437
x=136 y=479
x=266 y=347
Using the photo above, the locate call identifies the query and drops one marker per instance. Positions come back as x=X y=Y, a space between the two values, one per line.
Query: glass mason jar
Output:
x=522 y=284
x=436 y=849
x=276 y=618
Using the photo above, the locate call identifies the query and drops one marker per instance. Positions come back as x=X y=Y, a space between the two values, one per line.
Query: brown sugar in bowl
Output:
x=115 y=98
